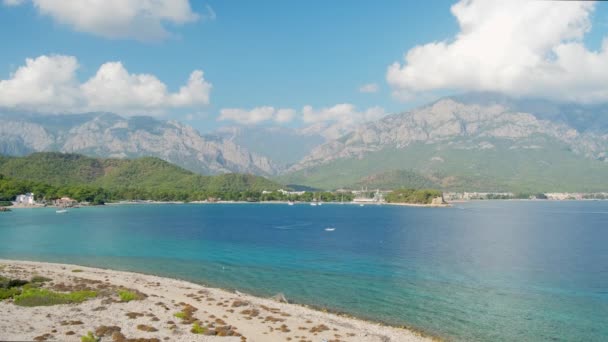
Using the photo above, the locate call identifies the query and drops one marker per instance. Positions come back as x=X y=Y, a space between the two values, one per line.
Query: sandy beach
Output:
x=167 y=310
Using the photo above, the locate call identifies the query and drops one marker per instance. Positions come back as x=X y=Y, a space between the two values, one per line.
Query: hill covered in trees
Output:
x=52 y=175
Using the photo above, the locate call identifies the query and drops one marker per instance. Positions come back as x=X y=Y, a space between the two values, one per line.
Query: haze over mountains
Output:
x=477 y=141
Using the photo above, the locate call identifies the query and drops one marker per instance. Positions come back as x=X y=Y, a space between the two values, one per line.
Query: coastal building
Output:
x=364 y=197
x=27 y=199
x=65 y=202
x=285 y=192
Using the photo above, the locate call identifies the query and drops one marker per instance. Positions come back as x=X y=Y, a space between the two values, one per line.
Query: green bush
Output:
x=9 y=293
x=127 y=296
x=43 y=297
x=40 y=279
x=197 y=329
x=89 y=337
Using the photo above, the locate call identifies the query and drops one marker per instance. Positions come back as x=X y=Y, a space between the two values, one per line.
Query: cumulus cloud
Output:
x=133 y=19
x=44 y=82
x=344 y=113
x=256 y=115
x=49 y=83
x=517 y=47
x=369 y=88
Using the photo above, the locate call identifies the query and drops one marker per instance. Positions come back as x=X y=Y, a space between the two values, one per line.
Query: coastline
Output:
x=255 y=318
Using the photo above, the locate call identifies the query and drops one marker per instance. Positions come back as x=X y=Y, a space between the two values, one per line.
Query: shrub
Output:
x=197 y=329
x=43 y=297
x=77 y=270
x=9 y=293
x=40 y=279
x=127 y=296
x=180 y=315
x=32 y=286
x=89 y=337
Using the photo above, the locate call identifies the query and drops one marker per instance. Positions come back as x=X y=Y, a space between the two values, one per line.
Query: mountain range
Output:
x=475 y=141
x=110 y=135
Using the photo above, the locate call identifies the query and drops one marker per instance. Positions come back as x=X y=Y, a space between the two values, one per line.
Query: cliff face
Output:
x=470 y=126
x=108 y=135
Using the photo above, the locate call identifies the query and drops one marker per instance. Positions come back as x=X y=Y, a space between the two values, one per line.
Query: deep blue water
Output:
x=480 y=271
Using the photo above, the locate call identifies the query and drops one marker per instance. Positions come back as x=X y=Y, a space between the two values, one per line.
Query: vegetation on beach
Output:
x=39 y=279
x=9 y=293
x=89 y=337
x=127 y=296
x=44 y=297
x=197 y=329
x=424 y=196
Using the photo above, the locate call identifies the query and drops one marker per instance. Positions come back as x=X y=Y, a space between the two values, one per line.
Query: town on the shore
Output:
x=363 y=196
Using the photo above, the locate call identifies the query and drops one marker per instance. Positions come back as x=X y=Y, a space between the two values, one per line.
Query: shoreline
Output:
x=289 y=320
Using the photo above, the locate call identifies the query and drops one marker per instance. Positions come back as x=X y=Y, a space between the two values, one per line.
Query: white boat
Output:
x=361 y=205
x=290 y=203
x=314 y=204
x=61 y=211
x=330 y=229
x=320 y=203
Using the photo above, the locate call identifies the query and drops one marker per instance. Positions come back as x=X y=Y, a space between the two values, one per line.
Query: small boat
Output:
x=330 y=229
x=61 y=211
x=320 y=203
x=290 y=203
x=314 y=204
x=361 y=205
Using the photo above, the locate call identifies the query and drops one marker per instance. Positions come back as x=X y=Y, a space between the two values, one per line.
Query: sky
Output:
x=293 y=63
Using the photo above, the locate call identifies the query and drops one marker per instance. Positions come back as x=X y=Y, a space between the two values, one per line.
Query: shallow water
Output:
x=480 y=271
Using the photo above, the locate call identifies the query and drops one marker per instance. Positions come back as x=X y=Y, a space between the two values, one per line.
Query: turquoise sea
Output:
x=479 y=271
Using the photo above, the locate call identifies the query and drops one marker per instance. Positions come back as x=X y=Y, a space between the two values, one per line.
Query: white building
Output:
x=27 y=199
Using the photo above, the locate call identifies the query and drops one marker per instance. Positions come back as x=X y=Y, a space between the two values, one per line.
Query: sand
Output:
x=246 y=317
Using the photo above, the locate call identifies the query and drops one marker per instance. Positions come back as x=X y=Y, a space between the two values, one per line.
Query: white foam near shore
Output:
x=253 y=318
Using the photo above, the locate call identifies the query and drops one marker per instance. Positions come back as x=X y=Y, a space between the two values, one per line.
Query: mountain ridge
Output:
x=110 y=135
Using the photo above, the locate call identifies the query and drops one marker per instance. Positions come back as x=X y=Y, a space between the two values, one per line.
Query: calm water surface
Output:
x=480 y=271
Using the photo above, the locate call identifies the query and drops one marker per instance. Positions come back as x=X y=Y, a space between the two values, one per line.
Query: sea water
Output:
x=478 y=271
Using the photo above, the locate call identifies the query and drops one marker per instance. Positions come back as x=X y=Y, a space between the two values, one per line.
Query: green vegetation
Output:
x=43 y=297
x=77 y=270
x=552 y=168
x=108 y=180
x=97 y=180
x=396 y=179
x=180 y=315
x=197 y=329
x=414 y=196
x=39 y=279
x=89 y=337
x=127 y=296
x=9 y=293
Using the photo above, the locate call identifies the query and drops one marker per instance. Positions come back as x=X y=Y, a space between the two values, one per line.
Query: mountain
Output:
x=149 y=173
x=483 y=142
x=284 y=146
x=109 y=135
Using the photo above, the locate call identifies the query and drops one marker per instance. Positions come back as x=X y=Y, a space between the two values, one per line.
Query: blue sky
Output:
x=284 y=54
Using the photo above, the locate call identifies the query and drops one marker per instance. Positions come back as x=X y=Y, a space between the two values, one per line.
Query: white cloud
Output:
x=344 y=114
x=516 y=47
x=49 y=83
x=256 y=115
x=46 y=82
x=134 y=19
x=369 y=88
